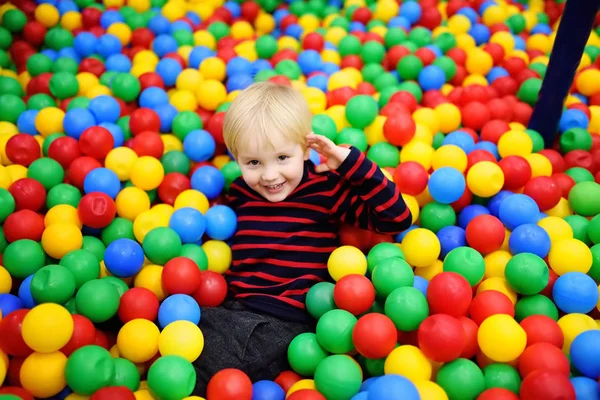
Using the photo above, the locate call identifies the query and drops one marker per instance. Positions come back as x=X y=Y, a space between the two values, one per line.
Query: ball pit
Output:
x=115 y=225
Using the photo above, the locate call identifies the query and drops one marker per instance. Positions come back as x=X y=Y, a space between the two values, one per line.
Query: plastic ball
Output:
x=485 y=233
x=124 y=258
x=47 y=328
x=229 y=384
x=147 y=173
x=338 y=376
x=485 y=179
x=389 y=386
x=569 y=255
x=59 y=239
x=137 y=340
x=374 y=336
x=182 y=338
x=449 y=293
x=441 y=338
x=98 y=300
x=446 y=185
x=89 y=369
x=461 y=377
x=346 y=260
x=171 y=375
x=421 y=247
x=42 y=374
x=501 y=338
x=354 y=293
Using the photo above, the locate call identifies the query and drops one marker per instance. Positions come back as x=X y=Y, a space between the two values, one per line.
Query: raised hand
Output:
x=334 y=154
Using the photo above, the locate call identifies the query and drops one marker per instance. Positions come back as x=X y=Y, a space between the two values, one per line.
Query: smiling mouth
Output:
x=275 y=188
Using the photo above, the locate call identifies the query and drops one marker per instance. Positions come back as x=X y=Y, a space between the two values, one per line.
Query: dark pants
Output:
x=237 y=337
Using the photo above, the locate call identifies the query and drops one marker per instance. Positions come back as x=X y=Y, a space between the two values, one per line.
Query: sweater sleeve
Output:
x=366 y=198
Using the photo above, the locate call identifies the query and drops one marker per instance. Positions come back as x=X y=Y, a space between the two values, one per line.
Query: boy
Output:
x=289 y=212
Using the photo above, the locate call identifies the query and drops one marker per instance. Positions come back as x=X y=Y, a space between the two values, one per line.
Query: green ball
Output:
x=185 y=122
x=63 y=193
x=23 y=257
x=384 y=155
x=382 y=251
x=5 y=38
x=58 y=38
x=338 y=377
x=370 y=72
x=94 y=246
x=372 y=52
x=47 y=171
x=412 y=88
x=447 y=65
x=319 y=299
x=579 y=225
x=435 y=216
x=539 y=68
x=445 y=41
x=52 y=284
x=83 y=265
x=537 y=304
x=78 y=102
x=407 y=307
x=14 y=20
x=39 y=101
x=119 y=228
x=593 y=228
x=123 y=123
x=264 y=75
x=575 y=139
x=98 y=300
x=349 y=45
x=517 y=23
x=409 y=67
x=161 y=245
x=65 y=64
x=11 y=107
x=63 y=85
x=537 y=139
x=502 y=376
x=289 y=68
x=196 y=254
x=438 y=140
x=266 y=46
x=361 y=111
x=334 y=331
x=420 y=36
x=529 y=91
x=394 y=36
x=594 y=272
x=583 y=199
x=323 y=125
x=126 y=374
x=126 y=87
x=7 y=204
x=527 y=273
x=305 y=353
x=231 y=171
x=176 y=161
x=10 y=86
x=461 y=379
x=118 y=283
x=391 y=274
x=579 y=174
x=466 y=262
x=3 y=241
x=171 y=378
x=219 y=29
x=89 y=369
x=353 y=137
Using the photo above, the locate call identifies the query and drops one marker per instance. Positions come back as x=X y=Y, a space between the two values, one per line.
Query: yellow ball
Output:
x=540 y=165
x=241 y=30
x=122 y=31
x=413 y=206
x=62 y=213
x=570 y=255
x=147 y=173
x=419 y=152
x=5 y=281
x=150 y=277
x=188 y=79
x=493 y=15
x=139 y=5
x=410 y=362
x=174 y=10
x=501 y=338
x=120 y=161
x=421 y=247
x=495 y=263
x=479 y=62
x=264 y=23
x=43 y=375
x=300 y=385
x=184 y=100
x=210 y=94
x=47 y=327
x=60 y=238
x=181 y=338
x=16 y=172
x=431 y=390
x=145 y=57
x=218 y=254
x=449 y=156
x=346 y=260
x=192 y=198
x=515 y=143
x=385 y=10
x=572 y=325
x=47 y=15
x=5 y=178
x=504 y=39
x=317 y=102
x=500 y=285
x=458 y=24
x=561 y=210
x=428 y=117
x=374 y=132
x=213 y=68
x=137 y=340
x=338 y=115
x=539 y=42
x=205 y=38
x=71 y=20
x=171 y=143
x=485 y=179
x=449 y=117
x=557 y=228
x=131 y=202
x=49 y=120
x=145 y=222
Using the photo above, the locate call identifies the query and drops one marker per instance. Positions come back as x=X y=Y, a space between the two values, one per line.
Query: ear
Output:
x=307 y=154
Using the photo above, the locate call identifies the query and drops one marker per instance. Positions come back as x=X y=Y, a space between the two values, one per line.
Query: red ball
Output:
x=113 y=393
x=306 y=394
x=395 y=54
x=442 y=337
x=93 y=66
x=485 y=233
x=23 y=149
x=411 y=178
x=517 y=172
x=172 y=185
x=505 y=85
x=374 y=335
x=28 y=193
x=579 y=158
x=352 y=61
x=543 y=357
x=151 y=79
x=405 y=98
x=471 y=344
x=65 y=150
x=497 y=394
x=340 y=96
x=11 y=339
x=313 y=41
x=102 y=340
x=547 y=385
x=212 y=289
x=148 y=143
x=96 y=142
x=229 y=384
x=556 y=159
x=475 y=115
x=24 y=224
x=138 y=302
x=34 y=33
x=544 y=191
x=543 y=329
x=79 y=169
x=215 y=127
x=287 y=379
x=488 y=303
x=144 y=119
x=564 y=183
x=181 y=275
x=449 y=293
x=142 y=37
x=84 y=333
x=393 y=109
x=522 y=113
x=477 y=156
x=499 y=110
x=96 y=210
x=399 y=129
x=354 y=293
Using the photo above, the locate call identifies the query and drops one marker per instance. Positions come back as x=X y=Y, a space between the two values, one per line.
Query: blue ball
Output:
x=318 y=81
x=451 y=237
x=25 y=293
x=208 y=180
x=181 y=26
x=108 y=45
x=518 y=209
x=575 y=292
x=77 y=120
x=166 y=113
x=85 y=44
x=519 y=42
x=294 y=30
x=460 y=139
x=310 y=61
x=199 y=54
x=189 y=224
x=164 y=44
x=585 y=353
x=259 y=65
x=105 y=109
x=314 y=157
x=267 y=390
x=495 y=73
x=51 y=54
x=393 y=387
x=469 y=13
x=411 y=10
x=152 y=97
x=329 y=68
x=168 y=69
x=431 y=77
x=239 y=82
x=221 y=222
x=69 y=52
x=159 y=24
x=356 y=26
x=446 y=185
x=480 y=33
x=124 y=258
x=421 y=284
x=65 y=6
x=364 y=387
x=109 y=17
x=493 y=204
x=360 y=396
x=116 y=132
x=26 y=122
x=490 y=147
x=573 y=118
x=469 y=212
x=199 y=145
x=102 y=180
x=399 y=22
x=585 y=388
x=529 y=238
x=118 y=63
x=234 y=8
x=9 y=303
x=238 y=65
x=178 y=307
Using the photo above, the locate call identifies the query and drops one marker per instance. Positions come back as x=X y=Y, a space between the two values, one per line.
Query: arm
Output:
x=367 y=198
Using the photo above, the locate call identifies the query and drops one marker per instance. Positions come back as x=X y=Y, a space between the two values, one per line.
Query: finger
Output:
x=322 y=167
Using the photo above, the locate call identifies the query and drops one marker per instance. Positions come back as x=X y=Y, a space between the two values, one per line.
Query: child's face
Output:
x=273 y=172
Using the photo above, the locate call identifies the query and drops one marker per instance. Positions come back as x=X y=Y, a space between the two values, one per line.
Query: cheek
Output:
x=251 y=177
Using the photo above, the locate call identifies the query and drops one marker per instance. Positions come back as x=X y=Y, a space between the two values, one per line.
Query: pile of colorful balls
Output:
x=114 y=172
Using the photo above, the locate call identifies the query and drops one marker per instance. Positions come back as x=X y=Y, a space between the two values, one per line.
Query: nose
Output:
x=269 y=174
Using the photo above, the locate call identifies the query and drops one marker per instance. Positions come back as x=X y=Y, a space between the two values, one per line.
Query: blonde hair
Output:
x=265 y=109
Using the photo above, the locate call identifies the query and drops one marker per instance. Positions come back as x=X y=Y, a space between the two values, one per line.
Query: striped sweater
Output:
x=281 y=249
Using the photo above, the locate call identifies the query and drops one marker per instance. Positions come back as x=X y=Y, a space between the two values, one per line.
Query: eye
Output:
x=253 y=162
x=282 y=158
